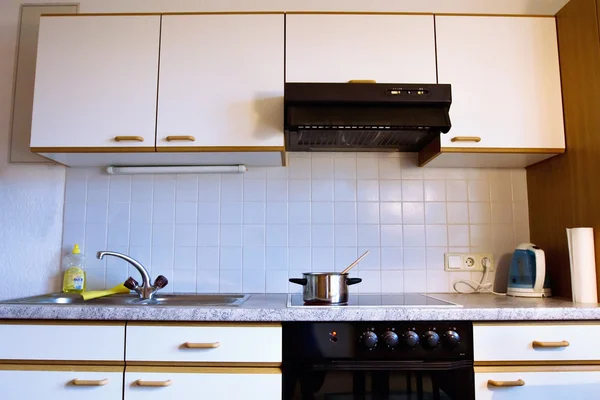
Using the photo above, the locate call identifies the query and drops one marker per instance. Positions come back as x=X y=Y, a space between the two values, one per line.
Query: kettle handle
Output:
x=540 y=266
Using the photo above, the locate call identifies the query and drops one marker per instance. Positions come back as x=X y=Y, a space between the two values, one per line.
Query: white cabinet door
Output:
x=221 y=82
x=96 y=80
x=150 y=383
x=558 y=385
x=340 y=48
x=65 y=342
x=505 y=81
x=64 y=383
x=195 y=343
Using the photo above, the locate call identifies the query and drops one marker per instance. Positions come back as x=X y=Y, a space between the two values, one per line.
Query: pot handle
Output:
x=353 y=281
x=299 y=281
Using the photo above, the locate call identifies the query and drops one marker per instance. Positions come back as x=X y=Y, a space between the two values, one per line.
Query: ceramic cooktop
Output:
x=379 y=300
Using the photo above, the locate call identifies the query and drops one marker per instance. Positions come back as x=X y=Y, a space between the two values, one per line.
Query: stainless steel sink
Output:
x=174 y=300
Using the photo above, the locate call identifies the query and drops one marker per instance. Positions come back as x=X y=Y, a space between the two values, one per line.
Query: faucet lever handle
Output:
x=161 y=282
x=131 y=284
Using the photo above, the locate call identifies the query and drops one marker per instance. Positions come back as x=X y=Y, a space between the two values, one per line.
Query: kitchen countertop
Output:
x=273 y=307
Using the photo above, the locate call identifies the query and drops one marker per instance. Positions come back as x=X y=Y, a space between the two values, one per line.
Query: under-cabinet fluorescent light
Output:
x=178 y=169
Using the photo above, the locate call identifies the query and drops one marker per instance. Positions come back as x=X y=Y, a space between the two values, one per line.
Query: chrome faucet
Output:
x=146 y=290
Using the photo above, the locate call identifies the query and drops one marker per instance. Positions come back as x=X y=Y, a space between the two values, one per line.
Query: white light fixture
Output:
x=178 y=169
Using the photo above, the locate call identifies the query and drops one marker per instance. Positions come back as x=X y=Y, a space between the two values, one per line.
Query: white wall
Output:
x=31 y=197
x=250 y=233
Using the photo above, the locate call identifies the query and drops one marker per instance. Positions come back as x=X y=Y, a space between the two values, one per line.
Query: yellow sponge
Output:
x=94 y=294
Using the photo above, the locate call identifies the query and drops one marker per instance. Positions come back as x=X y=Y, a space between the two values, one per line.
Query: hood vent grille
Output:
x=359 y=139
x=364 y=117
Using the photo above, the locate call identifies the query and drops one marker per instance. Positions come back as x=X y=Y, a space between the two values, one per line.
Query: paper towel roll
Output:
x=583 y=265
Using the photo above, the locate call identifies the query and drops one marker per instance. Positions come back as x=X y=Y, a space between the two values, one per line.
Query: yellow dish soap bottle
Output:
x=74 y=279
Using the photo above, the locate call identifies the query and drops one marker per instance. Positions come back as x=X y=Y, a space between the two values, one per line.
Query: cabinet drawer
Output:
x=202 y=383
x=62 y=341
x=61 y=382
x=548 y=383
x=204 y=343
x=535 y=342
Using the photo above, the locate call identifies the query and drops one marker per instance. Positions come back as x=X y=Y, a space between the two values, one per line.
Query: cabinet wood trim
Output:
x=62 y=322
x=203 y=370
x=430 y=152
x=81 y=363
x=537 y=363
x=110 y=149
x=283 y=159
x=219 y=149
x=520 y=150
x=202 y=364
x=537 y=368
x=356 y=13
x=209 y=324
x=494 y=15
x=60 y=368
x=536 y=323
x=164 y=13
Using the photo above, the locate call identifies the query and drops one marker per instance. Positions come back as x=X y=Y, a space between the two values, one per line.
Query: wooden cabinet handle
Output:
x=518 y=382
x=362 y=81
x=84 y=382
x=180 y=138
x=166 y=383
x=191 y=345
x=129 y=139
x=475 y=139
x=549 y=345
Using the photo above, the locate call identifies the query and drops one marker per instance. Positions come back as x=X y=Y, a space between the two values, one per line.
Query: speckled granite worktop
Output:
x=273 y=307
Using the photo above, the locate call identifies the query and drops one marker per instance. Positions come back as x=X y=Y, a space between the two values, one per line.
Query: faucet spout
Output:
x=146 y=290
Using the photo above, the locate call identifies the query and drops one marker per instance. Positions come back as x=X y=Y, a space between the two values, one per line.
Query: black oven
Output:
x=378 y=360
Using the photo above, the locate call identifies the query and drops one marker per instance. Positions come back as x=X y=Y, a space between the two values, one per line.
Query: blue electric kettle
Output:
x=527 y=273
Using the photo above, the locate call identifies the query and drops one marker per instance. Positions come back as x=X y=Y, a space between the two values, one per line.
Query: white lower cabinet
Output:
x=539 y=382
x=60 y=382
x=188 y=383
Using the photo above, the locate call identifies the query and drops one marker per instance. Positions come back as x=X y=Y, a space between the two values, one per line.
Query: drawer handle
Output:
x=475 y=139
x=84 y=382
x=129 y=139
x=362 y=81
x=518 y=382
x=166 y=383
x=180 y=138
x=191 y=345
x=550 y=345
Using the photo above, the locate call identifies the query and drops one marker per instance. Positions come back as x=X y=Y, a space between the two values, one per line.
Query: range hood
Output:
x=365 y=116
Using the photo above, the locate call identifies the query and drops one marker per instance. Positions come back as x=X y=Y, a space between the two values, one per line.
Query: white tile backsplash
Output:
x=251 y=232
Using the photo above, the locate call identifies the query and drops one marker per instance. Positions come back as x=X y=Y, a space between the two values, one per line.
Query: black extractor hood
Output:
x=365 y=116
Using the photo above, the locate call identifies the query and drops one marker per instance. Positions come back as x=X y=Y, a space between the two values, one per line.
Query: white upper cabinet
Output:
x=221 y=82
x=340 y=48
x=96 y=81
x=505 y=79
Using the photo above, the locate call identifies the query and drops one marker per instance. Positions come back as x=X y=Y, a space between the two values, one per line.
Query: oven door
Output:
x=380 y=381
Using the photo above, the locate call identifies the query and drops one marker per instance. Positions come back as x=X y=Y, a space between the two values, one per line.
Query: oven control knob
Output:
x=431 y=339
x=369 y=339
x=390 y=339
x=410 y=338
x=452 y=339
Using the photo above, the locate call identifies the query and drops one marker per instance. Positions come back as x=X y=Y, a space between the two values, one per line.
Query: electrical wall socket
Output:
x=468 y=262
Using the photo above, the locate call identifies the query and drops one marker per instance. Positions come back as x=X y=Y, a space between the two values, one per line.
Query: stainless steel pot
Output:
x=325 y=287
